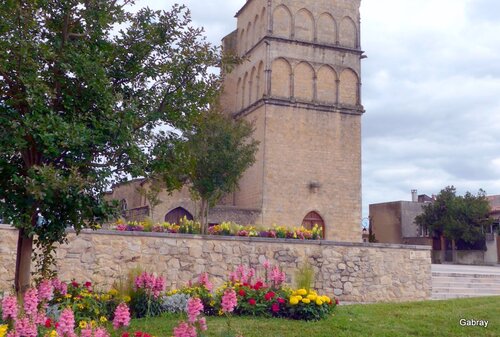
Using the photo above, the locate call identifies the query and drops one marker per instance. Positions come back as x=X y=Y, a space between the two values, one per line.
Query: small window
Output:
x=123 y=205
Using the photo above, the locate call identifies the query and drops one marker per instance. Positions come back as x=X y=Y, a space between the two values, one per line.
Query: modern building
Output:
x=394 y=222
x=301 y=86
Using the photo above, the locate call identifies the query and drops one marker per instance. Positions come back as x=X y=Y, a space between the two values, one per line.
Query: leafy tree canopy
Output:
x=85 y=89
x=219 y=149
x=459 y=218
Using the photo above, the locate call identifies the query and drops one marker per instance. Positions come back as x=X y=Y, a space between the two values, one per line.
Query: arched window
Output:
x=175 y=215
x=313 y=218
x=123 y=205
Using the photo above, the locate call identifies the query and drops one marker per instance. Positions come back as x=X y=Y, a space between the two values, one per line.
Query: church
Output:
x=301 y=87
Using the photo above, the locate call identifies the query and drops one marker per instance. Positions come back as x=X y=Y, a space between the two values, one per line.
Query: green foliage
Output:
x=304 y=277
x=80 y=103
x=459 y=218
x=143 y=305
x=219 y=149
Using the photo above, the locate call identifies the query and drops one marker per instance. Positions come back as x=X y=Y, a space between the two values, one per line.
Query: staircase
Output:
x=455 y=281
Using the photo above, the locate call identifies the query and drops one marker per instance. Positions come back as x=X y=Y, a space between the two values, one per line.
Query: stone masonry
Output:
x=354 y=272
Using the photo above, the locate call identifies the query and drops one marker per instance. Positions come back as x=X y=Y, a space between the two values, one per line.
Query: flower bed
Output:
x=58 y=309
x=225 y=228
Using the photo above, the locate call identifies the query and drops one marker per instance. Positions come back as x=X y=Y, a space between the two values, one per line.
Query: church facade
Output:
x=300 y=85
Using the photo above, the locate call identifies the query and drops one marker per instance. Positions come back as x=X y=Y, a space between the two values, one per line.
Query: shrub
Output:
x=175 y=303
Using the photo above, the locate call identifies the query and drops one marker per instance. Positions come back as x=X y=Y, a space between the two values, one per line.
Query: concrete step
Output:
x=447 y=285
x=492 y=291
x=452 y=296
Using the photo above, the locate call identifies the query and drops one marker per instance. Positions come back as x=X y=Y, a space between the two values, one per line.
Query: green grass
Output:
x=430 y=318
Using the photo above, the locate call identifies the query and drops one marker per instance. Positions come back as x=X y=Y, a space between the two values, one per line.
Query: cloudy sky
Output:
x=431 y=90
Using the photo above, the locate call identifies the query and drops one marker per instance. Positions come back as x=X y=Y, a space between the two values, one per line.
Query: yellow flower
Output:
x=80 y=306
x=294 y=300
x=126 y=299
x=312 y=297
x=306 y=300
x=83 y=325
x=212 y=303
x=113 y=292
x=302 y=292
x=221 y=312
x=53 y=333
x=103 y=319
x=326 y=299
x=93 y=324
x=67 y=296
x=298 y=297
x=319 y=301
x=3 y=330
x=105 y=297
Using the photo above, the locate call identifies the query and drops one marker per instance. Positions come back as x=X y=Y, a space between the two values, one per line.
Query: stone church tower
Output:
x=300 y=86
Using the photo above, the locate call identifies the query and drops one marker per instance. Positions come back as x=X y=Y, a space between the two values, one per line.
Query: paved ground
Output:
x=453 y=268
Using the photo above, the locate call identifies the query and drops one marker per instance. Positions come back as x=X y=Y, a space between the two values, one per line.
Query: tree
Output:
x=220 y=149
x=460 y=219
x=81 y=104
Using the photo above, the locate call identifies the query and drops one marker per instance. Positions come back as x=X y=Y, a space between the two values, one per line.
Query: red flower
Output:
x=275 y=307
x=258 y=285
x=337 y=301
x=242 y=292
x=88 y=284
x=281 y=300
x=246 y=284
x=48 y=323
x=56 y=326
x=75 y=284
x=270 y=295
x=252 y=301
x=125 y=334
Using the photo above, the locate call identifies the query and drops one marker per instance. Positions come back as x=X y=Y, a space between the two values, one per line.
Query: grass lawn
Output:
x=430 y=318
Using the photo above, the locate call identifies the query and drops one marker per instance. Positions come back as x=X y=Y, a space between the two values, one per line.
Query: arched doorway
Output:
x=175 y=215
x=313 y=218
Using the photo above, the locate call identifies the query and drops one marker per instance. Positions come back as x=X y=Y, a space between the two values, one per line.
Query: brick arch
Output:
x=349 y=87
x=252 y=86
x=281 y=72
x=238 y=94
x=327 y=29
x=242 y=42
x=326 y=88
x=304 y=25
x=244 y=86
x=313 y=218
x=282 y=22
x=303 y=87
x=348 y=33
x=175 y=215
x=248 y=37
x=256 y=30
x=261 y=80
x=263 y=22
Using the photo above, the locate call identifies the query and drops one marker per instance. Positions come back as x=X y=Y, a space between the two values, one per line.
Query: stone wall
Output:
x=355 y=272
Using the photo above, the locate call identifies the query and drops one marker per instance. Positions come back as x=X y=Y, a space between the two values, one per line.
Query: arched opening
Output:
x=123 y=207
x=313 y=218
x=175 y=215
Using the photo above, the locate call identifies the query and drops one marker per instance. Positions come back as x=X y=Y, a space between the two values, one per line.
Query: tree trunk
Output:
x=23 y=263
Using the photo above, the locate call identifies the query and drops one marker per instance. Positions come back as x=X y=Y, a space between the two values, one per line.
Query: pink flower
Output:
x=252 y=301
x=87 y=332
x=45 y=291
x=101 y=332
x=184 y=330
x=195 y=307
x=203 y=324
x=66 y=324
x=204 y=281
x=229 y=300
x=61 y=287
x=275 y=307
x=278 y=277
x=266 y=264
x=31 y=302
x=9 y=307
x=25 y=328
x=151 y=284
x=122 y=316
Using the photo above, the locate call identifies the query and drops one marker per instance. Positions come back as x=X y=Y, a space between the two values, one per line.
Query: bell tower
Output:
x=300 y=85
